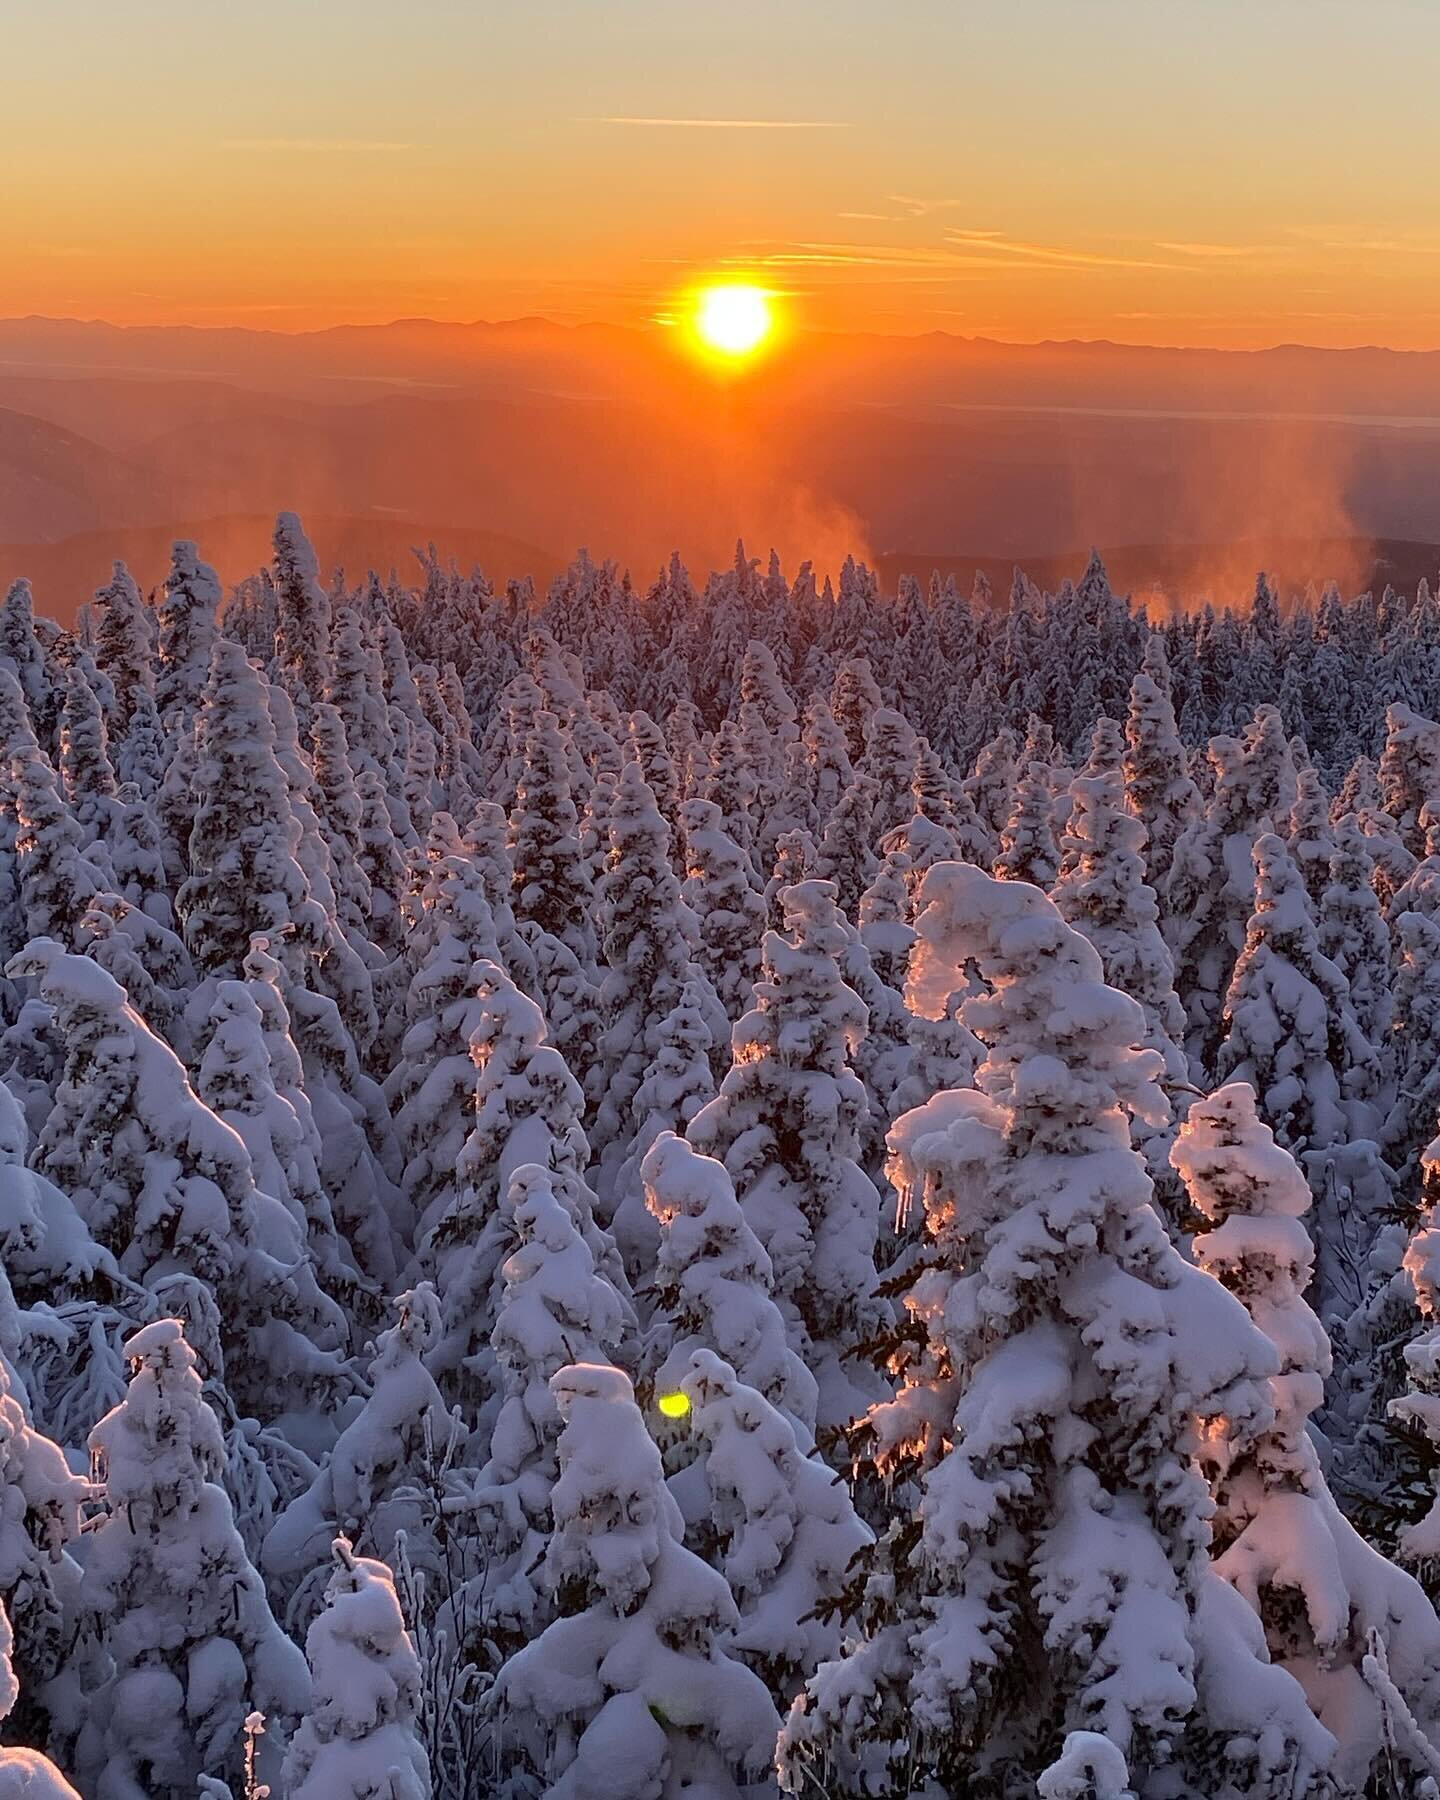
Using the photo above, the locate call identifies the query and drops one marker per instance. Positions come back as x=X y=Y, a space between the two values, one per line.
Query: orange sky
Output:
x=1233 y=172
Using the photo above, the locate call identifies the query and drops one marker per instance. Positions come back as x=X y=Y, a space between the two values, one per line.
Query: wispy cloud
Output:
x=831 y=255
x=917 y=209
x=1054 y=256
x=910 y=208
x=727 y=124
x=1383 y=246
x=317 y=146
x=1224 y=250
x=1400 y=243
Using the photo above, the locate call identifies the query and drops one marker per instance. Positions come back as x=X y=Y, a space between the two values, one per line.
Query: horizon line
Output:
x=649 y=327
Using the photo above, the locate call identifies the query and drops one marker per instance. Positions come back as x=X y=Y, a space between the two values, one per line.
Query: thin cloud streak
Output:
x=1225 y=250
x=727 y=124
x=343 y=146
x=963 y=251
x=1052 y=255
x=918 y=209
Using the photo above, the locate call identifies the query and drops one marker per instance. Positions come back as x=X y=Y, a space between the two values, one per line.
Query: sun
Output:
x=733 y=318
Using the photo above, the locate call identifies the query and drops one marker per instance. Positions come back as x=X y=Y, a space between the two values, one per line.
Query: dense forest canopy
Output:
x=718 y=1188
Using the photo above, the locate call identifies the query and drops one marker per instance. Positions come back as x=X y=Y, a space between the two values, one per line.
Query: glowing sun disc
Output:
x=674 y=1406
x=733 y=319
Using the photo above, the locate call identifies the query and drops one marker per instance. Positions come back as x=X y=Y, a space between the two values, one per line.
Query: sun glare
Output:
x=733 y=319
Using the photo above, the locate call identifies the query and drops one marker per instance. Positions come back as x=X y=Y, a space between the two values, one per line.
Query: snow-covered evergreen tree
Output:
x=24 y=1774
x=359 y=1737
x=1291 y=1033
x=1028 y=850
x=634 y=1690
x=780 y=1527
x=171 y=1597
x=721 y=892
x=552 y=887
x=713 y=1284
x=649 y=943
x=786 y=1124
x=189 y=617
x=556 y=1305
x=245 y=876
x=1158 y=788
x=122 y=642
x=677 y=1085
x=164 y=1185
x=1048 y=1431
x=1280 y=1538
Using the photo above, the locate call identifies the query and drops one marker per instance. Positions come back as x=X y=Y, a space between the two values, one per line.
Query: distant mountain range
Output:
x=512 y=444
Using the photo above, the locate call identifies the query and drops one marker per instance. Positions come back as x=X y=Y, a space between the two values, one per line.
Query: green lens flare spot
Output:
x=674 y=1406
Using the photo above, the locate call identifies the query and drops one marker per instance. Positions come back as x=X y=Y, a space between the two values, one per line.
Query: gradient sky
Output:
x=1234 y=172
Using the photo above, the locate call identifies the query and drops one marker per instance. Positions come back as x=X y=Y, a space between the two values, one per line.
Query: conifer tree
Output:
x=341 y=813
x=189 y=616
x=1028 y=851
x=720 y=890
x=714 y=1285
x=1291 y=1033
x=375 y=1483
x=122 y=642
x=1352 y=933
x=1280 y=1538
x=889 y=759
x=1409 y=773
x=1050 y=1446
x=795 y=860
x=1210 y=891
x=845 y=854
x=165 y=1186
x=527 y=1107
x=828 y=757
x=786 y=1123
x=677 y=1085
x=884 y=920
x=171 y=1595
x=555 y=1305
x=40 y=1501
x=991 y=787
x=314 y=1065
x=237 y=1081
x=302 y=618
x=21 y=654
x=1158 y=788
x=551 y=886
x=1103 y=894
x=775 y=1521
x=431 y=1085
x=645 y=742
x=730 y=783
x=1410 y=1123
x=356 y=689
x=1308 y=834
x=245 y=877
x=359 y=1729
x=24 y=1774
x=649 y=942
x=87 y=777
x=379 y=862
x=654 y=1701
x=854 y=700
